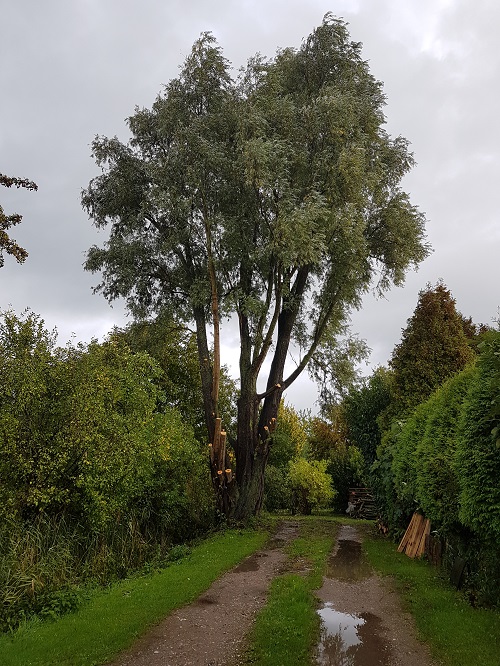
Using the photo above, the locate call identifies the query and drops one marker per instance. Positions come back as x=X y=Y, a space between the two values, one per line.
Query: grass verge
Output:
x=458 y=634
x=287 y=628
x=110 y=621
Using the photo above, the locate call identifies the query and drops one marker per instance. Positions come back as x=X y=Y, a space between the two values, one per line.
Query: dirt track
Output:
x=363 y=623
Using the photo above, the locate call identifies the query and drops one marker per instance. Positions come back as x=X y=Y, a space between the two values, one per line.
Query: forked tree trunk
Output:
x=252 y=450
x=244 y=499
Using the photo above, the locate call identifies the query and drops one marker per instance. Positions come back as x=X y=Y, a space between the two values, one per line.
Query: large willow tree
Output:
x=274 y=197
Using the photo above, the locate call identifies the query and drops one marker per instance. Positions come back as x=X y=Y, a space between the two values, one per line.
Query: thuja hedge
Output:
x=444 y=460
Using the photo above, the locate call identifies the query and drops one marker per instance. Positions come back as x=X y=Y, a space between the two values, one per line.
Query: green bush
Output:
x=362 y=407
x=311 y=485
x=328 y=441
x=381 y=480
x=94 y=480
x=418 y=459
x=82 y=437
x=404 y=459
x=437 y=486
x=478 y=451
x=345 y=465
x=277 y=489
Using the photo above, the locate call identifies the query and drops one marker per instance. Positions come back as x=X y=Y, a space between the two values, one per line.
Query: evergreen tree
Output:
x=434 y=346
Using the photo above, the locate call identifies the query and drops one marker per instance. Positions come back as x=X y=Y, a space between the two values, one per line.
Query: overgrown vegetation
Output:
x=96 y=481
x=439 y=455
x=311 y=464
x=109 y=620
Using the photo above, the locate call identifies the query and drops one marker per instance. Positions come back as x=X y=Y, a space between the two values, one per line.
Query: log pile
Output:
x=361 y=504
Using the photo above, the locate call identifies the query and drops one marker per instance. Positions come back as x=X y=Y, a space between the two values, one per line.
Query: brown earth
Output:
x=363 y=623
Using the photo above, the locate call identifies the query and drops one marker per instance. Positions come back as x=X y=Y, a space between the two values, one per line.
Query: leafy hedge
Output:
x=444 y=460
x=81 y=436
x=86 y=455
x=478 y=453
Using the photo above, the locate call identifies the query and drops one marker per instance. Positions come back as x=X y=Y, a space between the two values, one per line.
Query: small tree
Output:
x=311 y=485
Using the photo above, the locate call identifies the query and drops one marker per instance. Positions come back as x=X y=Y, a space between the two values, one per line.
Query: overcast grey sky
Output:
x=71 y=69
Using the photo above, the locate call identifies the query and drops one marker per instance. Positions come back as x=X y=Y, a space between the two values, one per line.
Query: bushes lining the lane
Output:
x=94 y=480
x=444 y=460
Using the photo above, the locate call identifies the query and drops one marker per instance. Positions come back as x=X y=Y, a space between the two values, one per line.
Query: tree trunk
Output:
x=251 y=452
x=206 y=371
x=255 y=427
x=251 y=486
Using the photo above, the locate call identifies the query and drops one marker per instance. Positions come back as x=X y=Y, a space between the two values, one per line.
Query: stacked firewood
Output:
x=361 y=504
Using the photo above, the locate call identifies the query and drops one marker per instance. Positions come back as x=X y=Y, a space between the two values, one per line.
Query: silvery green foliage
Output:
x=281 y=185
x=289 y=168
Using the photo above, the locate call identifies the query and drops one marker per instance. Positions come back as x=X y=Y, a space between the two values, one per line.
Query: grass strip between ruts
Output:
x=457 y=634
x=287 y=628
x=110 y=621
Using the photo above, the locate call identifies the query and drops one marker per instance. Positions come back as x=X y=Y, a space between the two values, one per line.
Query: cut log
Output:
x=217 y=430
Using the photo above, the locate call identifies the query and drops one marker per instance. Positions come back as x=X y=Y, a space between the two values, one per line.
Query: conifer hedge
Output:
x=444 y=460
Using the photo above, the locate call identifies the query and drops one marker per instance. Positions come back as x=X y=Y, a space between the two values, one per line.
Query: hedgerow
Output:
x=444 y=460
x=94 y=479
x=478 y=452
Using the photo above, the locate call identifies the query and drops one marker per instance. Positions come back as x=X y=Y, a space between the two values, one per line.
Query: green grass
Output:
x=110 y=621
x=458 y=634
x=287 y=628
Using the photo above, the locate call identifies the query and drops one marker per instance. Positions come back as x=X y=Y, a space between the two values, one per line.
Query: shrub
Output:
x=328 y=441
x=311 y=485
x=404 y=459
x=437 y=485
x=345 y=466
x=362 y=407
x=277 y=489
x=94 y=481
x=478 y=452
x=381 y=479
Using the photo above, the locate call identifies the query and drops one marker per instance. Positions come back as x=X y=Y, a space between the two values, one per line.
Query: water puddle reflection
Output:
x=350 y=640
x=348 y=563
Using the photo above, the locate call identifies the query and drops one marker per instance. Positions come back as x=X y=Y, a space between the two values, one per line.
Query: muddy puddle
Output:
x=350 y=640
x=252 y=563
x=348 y=563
